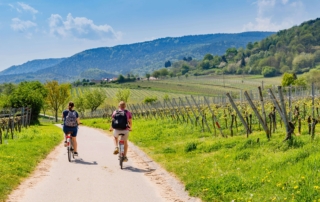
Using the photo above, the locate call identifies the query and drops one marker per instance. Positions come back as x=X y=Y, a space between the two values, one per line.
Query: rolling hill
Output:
x=137 y=58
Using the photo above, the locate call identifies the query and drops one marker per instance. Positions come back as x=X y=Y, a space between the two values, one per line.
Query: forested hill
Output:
x=295 y=50
x=31 y=66
x=146 y=56
x=136 y=58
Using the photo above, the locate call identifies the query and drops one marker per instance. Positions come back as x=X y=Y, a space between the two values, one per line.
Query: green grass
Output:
x=235 y=168
x=20 y=156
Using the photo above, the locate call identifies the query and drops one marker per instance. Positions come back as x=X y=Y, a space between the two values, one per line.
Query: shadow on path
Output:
x=81 y=161
x=137 y=170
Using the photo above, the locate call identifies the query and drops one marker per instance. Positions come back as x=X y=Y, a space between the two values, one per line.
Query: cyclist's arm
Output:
x=130 y=124
x=78 y=121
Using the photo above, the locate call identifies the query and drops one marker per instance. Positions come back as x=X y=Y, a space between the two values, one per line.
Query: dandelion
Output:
x=296 y=187
x=279 y=184
x=302 y=177
x=316 y=187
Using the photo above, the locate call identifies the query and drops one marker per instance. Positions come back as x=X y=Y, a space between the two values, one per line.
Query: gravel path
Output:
x=95 y=175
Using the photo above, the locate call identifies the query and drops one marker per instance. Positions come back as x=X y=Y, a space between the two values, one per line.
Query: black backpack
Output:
x=120 y=120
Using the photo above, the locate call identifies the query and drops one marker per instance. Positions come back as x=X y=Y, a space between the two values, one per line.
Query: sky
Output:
x=34 y=29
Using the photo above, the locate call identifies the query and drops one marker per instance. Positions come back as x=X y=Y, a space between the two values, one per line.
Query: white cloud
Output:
x=81 y=28
x=26 y=7
x=274 y=15
x=20 y=25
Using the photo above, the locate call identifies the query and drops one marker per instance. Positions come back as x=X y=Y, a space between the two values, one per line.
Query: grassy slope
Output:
x=235 y=168
x=20 y=156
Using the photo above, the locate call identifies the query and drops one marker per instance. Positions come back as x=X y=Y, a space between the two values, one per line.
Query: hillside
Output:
x=140 y=58
x=31 y=66
x=295 y=50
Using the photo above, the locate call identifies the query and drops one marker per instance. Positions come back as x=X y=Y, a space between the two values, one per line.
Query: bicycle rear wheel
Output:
x=121 y=161
x=69 y=153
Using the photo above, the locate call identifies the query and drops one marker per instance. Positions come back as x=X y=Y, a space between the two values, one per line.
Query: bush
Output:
x=150 y=100
x=269 y=71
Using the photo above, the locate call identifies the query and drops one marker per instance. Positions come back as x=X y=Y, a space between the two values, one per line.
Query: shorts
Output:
x=74 y=130
x=125 y=132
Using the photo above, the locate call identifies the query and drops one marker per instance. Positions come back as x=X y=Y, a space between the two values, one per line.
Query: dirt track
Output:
x=96 y=176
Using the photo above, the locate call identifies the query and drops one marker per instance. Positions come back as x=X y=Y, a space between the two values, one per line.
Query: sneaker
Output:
x=116 y=151
x=65 y=143
x=76 y=153
x=125 y=159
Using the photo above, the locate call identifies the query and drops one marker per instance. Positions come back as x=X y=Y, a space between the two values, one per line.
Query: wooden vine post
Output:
x=239 y=114
x=191 y=121
x=194 y=114
x=262 y=122
x=214 y=117
x=282 y=111
x=201 y=114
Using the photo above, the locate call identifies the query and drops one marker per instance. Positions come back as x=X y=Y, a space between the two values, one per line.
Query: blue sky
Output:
x=34 y=29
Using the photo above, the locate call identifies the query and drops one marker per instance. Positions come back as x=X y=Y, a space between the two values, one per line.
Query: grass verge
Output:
x=235 y=168
x=20 y=156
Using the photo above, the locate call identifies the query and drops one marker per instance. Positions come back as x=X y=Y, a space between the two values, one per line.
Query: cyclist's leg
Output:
x=125 y=138
x=115 y=140
x=74 y=140
x=65 y=136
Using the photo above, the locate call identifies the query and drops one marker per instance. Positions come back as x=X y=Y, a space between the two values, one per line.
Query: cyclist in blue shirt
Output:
x=71 y=121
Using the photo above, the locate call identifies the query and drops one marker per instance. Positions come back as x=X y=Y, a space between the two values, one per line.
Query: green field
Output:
x=235 y=168
x=20 y=156
x=207 y=85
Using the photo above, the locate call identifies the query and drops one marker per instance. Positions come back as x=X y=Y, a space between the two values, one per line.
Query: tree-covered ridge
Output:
x=294 y=50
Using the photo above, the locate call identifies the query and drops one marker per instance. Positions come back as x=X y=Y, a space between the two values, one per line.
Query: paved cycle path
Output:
x=94 y=175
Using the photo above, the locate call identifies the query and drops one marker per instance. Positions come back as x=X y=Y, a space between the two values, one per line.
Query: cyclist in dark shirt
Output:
x=74 y=128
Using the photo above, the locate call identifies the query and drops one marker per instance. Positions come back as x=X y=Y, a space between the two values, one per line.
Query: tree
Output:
x=94 y=98
x=58 y=95
x=121 y=79
x=156 y=74
x=123 y=95
x=184 y=69
x=79 y=102
x=208 y=56
x=249 y=46
x=163 y=72
x=31 y=94
x=148 y=76
x=287 y=79
x=167 y=64
x=269 y=71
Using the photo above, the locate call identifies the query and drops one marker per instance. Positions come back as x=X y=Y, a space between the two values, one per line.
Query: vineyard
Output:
x=212 y=86
x=235 y=114
x=12 y=120
x=136 y=95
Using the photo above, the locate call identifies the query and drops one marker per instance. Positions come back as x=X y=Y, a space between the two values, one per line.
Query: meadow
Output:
x=235 y=168
x=20 y=156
